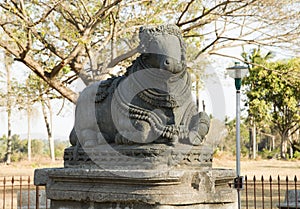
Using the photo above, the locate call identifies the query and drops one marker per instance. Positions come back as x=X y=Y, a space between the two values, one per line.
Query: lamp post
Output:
x=238 y=72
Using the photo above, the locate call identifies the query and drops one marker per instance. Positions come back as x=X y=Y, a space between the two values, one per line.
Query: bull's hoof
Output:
x=195 y=139
x=173 y=141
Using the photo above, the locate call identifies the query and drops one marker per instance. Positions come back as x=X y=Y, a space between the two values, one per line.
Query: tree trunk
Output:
x=9 y=140
x=283 y=147
x=49 y=131
x=254 y=140
x=291 y=152
x=290 y=140
x=28 y=129
x=51 y=140
x=7 y=63
x=273 y=142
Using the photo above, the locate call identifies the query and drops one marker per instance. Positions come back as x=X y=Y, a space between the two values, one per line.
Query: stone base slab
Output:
x=95 y=205
x=96 y=188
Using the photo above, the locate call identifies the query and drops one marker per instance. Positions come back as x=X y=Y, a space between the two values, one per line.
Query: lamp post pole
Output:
x=238 y=72
x=238 y=138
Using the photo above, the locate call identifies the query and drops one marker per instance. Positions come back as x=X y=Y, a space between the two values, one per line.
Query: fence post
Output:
x=12 y=192
x=270 y=181
x=287 y=191
x=278 y=183
x=246 y=185
x=254 y=187
x=4 y=188
x=296 y=193
x=263 y=192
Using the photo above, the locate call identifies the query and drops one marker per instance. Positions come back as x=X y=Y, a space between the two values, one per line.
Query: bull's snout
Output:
x=170 y=64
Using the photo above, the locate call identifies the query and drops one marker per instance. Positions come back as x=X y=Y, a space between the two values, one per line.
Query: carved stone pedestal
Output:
x=175 y=182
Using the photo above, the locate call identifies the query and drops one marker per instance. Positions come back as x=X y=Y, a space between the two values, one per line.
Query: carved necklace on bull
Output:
x=177 y=90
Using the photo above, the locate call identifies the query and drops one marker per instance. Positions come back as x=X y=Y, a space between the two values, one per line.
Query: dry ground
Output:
x=266 y=168
x=248 y=167
x=25 y=168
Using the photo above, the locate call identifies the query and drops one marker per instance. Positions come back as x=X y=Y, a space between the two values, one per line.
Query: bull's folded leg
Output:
x=88 y=138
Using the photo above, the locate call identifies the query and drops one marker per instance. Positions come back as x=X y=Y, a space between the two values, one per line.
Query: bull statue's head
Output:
x=162 y=47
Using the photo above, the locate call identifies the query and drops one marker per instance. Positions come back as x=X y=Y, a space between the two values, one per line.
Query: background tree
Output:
x=257 y=111
x=26 y=100
x=23 y=95
x=274 y=97
x=285 y=93
x=9 y=104
x=48 y=36
x=39 y=92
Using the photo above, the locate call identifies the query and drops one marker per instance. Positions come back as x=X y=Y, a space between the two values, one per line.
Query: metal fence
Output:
x=257 y=193
x=20 y=193
x=269 y=193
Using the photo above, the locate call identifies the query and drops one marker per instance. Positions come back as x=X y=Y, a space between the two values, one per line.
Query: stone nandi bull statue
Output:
x=151 y=103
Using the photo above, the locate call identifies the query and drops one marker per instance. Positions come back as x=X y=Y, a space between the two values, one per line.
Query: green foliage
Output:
x=256 y=89
x=39 y=148
x=59 y=148
x=297 y=155
x=267 y=154
x=18 y=148
x=3 y=148
x=273 y=92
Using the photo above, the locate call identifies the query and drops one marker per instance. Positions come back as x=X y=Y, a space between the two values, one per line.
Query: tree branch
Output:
x=184 y=11
x=122 y=57
x=46 y=14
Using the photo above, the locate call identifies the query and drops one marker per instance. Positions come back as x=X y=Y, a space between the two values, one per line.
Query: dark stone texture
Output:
x=126 y=157
x=151 y=103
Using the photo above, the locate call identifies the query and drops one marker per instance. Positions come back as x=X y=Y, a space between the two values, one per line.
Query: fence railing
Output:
x=258 y=193
x=269 y=193
x=20 y=193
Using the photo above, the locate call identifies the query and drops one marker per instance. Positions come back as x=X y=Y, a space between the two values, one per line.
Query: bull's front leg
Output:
x=198 y=128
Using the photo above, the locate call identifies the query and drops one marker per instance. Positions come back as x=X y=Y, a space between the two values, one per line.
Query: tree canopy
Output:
x=274 y=95
x=87 y=38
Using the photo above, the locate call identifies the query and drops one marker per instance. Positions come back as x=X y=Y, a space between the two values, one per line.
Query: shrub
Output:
x=37 y=147
x=297 y=155
x=60 y=147
x=266 y=154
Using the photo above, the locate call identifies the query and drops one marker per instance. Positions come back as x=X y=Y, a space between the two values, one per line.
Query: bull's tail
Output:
x=73 y=137
x=74 y=142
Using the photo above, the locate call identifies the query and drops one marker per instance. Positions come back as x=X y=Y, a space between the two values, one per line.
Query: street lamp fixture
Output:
x=238 y=72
